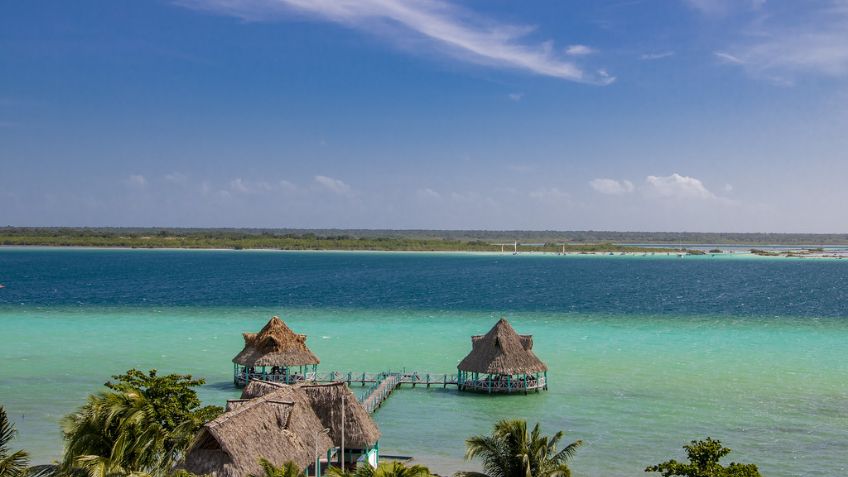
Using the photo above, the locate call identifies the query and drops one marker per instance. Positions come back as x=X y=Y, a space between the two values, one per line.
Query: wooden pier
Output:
x=381 y=385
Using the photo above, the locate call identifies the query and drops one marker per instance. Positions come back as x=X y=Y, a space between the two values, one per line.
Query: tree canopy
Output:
x=703 y=462
x=512 y=451
x=12 y=464
x=142 y=425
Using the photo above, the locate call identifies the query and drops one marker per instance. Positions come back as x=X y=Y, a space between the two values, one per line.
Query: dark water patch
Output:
x=636 y=286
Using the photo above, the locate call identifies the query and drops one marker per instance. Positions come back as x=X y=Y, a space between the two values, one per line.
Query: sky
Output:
x=636 y=115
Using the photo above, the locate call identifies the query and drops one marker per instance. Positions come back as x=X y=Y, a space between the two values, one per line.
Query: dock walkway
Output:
x=381 y=385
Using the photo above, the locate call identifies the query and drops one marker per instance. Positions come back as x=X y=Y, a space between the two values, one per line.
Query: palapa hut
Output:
x=502 y=361
x=275 y=354
x=280 y=426
x=351 y=428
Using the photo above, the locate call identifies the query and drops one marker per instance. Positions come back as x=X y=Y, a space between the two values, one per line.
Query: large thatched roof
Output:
x=326 y=400
x=502 y=351
x=275 y=345
x=279 y=426
x=360 y=431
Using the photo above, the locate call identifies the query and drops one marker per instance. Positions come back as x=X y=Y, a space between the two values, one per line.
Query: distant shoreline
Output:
x=535 y=243
x=475 y=237
x=737 y=252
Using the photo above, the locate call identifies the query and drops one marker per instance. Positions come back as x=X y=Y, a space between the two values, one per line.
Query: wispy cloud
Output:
x=449 y=28
x=779 y=46
x=334 y=185
x=656 y=56
x=728 y=58
x=245 y=187
x=612 y=186
x=579 y=50
x=176 y=178
x=677 y=186
x=516 y=96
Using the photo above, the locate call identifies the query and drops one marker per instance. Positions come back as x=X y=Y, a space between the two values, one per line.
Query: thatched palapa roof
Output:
x=275 y=345
x=360 y=431
x=279 y=426
x=502 y=351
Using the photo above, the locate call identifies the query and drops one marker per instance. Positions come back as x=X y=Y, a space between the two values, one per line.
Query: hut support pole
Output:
x=341 y=456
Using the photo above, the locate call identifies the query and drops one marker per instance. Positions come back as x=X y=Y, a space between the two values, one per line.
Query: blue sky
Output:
x=673 y=115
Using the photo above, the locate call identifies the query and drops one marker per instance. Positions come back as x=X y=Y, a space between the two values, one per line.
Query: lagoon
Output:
x=645 y=353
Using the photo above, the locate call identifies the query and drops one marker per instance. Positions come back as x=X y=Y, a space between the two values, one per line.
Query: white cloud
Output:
x=656 y=56
x=287 y=186
x=612 y=186
x=334 y=185
x=137 y=180
x=677 y=186
x=239 y=185
x=242 y=186
x=448 y=28
x=728 y=58
x=579 y=50
x=516 y=96
x=728 y=188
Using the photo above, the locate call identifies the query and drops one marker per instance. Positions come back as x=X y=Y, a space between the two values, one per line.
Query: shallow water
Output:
x=644 y=353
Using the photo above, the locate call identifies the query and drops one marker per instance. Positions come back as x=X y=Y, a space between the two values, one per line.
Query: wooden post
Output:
x=343 y=431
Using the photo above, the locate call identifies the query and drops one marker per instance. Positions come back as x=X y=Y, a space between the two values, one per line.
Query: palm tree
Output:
x=513 y=452
x=118 y=434
x=398 y=469
x=386 y=469
x=289 y=469
x=12 y=464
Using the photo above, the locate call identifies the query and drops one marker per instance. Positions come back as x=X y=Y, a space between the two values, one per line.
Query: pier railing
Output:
x=504 y=385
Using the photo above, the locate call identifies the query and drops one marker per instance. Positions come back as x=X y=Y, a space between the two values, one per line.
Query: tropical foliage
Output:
x=286 y=240
x=142 y=425
x=385 y=469
x=12 y=464
x=512 y=451
x=289 y=469
x=703 y=462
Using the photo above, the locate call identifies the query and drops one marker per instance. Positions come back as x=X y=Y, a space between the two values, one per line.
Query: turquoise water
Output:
x=645 y=353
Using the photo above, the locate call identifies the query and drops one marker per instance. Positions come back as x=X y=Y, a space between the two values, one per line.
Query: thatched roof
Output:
x=275 y=345
x=502 y=351
x=326 y=400
x=279 y=426
x=360 y=431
